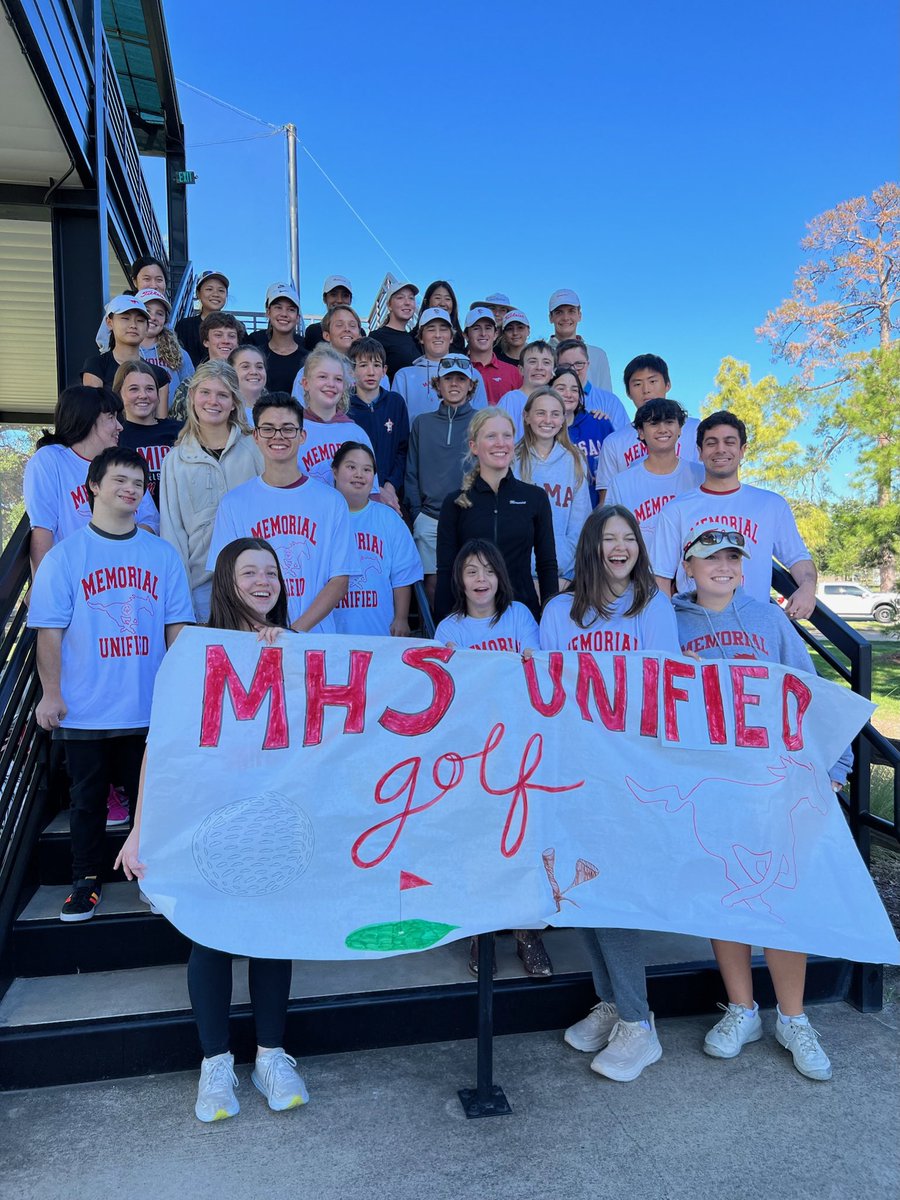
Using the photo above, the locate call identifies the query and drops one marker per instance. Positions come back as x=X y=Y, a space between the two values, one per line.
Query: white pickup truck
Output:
x=854 y=600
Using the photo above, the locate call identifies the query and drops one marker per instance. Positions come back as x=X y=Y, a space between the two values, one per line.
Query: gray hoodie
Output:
x=434 y=461
x=747 y=628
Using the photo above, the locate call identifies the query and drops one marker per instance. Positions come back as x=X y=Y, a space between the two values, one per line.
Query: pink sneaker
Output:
x=117 y=807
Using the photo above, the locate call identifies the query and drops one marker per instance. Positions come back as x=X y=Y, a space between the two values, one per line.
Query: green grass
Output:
x=886 y=718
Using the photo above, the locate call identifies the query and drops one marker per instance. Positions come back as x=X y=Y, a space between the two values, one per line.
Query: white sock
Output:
x=751 y=1012
x=802 y=1019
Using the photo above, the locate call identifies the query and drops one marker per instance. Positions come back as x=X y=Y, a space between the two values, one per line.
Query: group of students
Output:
x=501 y=470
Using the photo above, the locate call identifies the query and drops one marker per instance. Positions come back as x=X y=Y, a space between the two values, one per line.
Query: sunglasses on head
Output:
x=461 y=364
x=715 y=537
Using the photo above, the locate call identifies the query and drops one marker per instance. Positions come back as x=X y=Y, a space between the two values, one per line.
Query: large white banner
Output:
x=340 y=797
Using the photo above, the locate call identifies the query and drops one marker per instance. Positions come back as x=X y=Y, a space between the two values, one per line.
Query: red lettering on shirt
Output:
x=106 y=579
x=287 y=524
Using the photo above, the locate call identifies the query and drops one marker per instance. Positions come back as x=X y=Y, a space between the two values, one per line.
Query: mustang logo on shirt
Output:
x=124 y=613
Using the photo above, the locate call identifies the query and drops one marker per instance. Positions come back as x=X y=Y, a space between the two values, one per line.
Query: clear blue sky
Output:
x=663 y=161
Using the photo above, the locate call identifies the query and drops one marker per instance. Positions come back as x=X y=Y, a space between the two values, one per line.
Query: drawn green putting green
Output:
x=413 y=934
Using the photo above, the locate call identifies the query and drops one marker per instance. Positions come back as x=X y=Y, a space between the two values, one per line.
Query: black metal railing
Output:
x=856 y=671
x=23 y=747
x=183 y=299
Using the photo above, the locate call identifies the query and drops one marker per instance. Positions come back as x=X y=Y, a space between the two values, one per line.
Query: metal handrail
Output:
x=858 y=674
x=23 y=746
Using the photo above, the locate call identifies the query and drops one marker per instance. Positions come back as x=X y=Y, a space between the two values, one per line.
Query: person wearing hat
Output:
x=440 y=294
x=763 y=518
x=437 y=443
x=212 y=296
x=565 y=315
x=127 y=320
x=337 y=289
x=161 y=347
x=515 y=329
x=499 y=377
x=284 y=354
x=401 y=348
x=499 y=304
x=414 y=383
x=717 y=619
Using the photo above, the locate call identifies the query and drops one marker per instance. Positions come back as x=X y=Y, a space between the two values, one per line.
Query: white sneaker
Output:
x=215 y=1092
x=591 y=1033
x=282 y=1086
x=803 y=1042
x=631 y=1048
x=738 y=1027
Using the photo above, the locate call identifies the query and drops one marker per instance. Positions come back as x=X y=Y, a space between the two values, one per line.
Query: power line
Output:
x=282 y=129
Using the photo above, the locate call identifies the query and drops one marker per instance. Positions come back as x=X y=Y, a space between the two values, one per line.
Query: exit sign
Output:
x=184 y=177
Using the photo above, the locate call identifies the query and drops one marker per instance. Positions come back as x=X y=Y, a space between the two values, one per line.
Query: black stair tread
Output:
x=152 y=990
x=59 y=826
x=117 y=899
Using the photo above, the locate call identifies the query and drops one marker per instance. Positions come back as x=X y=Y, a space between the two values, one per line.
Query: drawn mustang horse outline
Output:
x=370 y=565
x=761 y=853
x=125 y=613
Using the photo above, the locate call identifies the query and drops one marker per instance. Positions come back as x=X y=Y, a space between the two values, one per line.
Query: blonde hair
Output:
x=470 y=462
x=526 y=444
x=324 y=352
x=221 y=371
x=168 y=349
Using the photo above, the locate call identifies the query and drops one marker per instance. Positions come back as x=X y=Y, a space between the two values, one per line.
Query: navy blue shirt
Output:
x=386 y=421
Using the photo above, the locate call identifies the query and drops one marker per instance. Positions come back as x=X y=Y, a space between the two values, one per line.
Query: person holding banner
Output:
x=613 y=604
x=248 y=593
x=486 y=617
x=376 y=602
x=718 y=619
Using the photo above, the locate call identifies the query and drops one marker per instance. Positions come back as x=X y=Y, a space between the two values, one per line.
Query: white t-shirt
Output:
x=515 y=630
x=323 y=440
x=388 y=559
x=624 y=448
x=763 y=517
x=653 y=629
x=647 y=494
x=114 y=597
x=56 y=493
x=308 y=527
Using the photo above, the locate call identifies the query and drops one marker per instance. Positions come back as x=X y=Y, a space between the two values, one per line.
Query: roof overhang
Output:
x=136 y=33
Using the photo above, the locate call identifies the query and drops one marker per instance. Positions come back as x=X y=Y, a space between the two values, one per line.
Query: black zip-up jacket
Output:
x=516 y=518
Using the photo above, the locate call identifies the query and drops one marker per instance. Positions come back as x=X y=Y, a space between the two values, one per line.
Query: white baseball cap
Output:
x=282 y=291
x=479 y=313
x=146 y=294
x=124 y=304
x=516 y=314
x=399 y=286
x=455 y=363
x=434 y=314
x=564 y=296
x=336 y=281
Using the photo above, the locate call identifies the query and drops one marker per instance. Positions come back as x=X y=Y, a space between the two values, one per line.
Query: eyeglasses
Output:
x=288 y=432
x=579 y=366
x=715 y=537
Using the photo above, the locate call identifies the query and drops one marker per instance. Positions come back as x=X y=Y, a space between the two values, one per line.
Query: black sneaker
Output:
x=80 y=905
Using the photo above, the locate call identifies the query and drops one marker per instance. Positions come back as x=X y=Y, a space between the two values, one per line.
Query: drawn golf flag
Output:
x=622 y=790
x=408 y=880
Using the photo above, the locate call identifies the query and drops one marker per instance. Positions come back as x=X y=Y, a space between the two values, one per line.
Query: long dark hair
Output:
x=458 y=338
x=491 y=557
x=565 y=369
x=77 y=410
x=226 y=608
x=590 y=583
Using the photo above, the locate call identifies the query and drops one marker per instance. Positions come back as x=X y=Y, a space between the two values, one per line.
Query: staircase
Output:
x=108 y=997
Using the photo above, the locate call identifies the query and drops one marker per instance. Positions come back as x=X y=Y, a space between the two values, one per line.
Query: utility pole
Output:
x=293 y=210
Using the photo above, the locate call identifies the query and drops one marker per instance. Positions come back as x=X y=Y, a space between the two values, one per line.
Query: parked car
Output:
x=854 y=600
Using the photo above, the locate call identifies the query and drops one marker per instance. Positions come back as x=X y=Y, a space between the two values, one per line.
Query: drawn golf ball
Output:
x=254 y=846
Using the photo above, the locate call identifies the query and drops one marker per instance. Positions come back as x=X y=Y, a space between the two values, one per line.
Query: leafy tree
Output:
x=844 y=298
x=771 y=413
x=16 y=447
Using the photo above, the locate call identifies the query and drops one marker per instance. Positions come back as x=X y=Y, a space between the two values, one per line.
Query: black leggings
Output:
x=209 y=984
